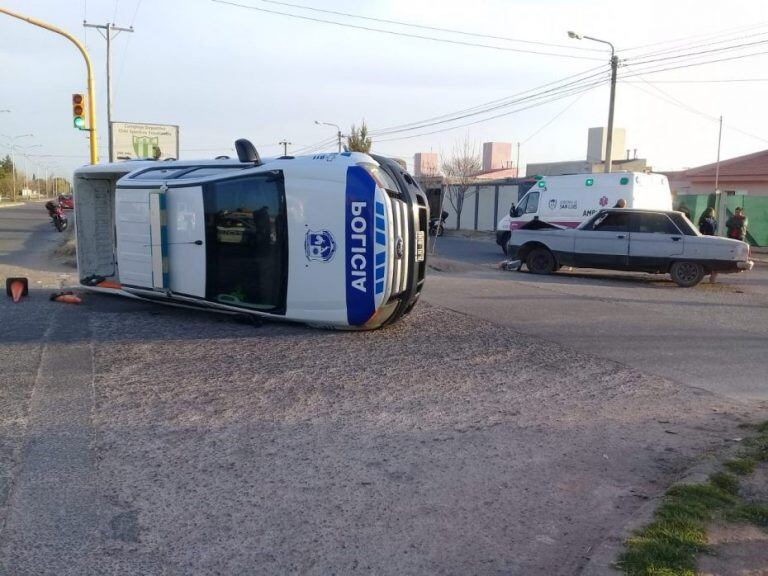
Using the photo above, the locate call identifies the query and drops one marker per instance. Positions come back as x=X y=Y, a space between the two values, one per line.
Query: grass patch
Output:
x=668 y=546
x=741 y=466
x=751 y=512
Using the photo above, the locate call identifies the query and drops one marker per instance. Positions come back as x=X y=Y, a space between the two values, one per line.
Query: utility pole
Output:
x=609 y=138
x=612 y=102
x=517 y=162
x=720 y=201
x=285 y=144
x=106 y=32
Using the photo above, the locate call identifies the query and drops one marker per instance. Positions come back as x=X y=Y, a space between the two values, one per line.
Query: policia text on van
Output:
x=332 y=240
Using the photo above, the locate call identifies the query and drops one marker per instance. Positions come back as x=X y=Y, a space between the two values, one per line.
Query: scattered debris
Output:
x=66 y=297
x=511 y=265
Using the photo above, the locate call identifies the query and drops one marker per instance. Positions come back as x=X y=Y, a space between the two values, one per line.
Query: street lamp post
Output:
x=339 y=135
x=12 y=146
x=612 y=102
x=26 y=156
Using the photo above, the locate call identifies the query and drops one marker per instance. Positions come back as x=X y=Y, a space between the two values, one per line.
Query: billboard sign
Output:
x=131 y=141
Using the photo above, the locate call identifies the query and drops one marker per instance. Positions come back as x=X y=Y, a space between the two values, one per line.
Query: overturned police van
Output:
x=331 y=240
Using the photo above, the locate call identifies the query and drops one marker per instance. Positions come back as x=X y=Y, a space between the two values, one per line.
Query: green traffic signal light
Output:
x=79 y=122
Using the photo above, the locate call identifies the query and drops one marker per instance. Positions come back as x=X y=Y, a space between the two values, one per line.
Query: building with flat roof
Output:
x=425 y=164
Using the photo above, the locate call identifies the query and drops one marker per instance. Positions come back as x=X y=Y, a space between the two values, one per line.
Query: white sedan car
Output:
x=637 y=240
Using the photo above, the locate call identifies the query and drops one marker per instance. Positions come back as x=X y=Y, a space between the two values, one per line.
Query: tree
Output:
x=459 y=170
x=358 y=139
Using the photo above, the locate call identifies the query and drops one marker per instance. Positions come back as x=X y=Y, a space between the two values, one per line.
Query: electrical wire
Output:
x=695 y=46
x=710 y=35
x=669 y=99
x=554 y=118
x=657 y=70
x=404 y=34
x=712 y=81
x=432 y=28
x=581 y=75
x=508 y=113
x=561 y=88
x=693 y=54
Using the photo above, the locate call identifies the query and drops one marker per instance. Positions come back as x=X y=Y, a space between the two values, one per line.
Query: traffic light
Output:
x=78 y=111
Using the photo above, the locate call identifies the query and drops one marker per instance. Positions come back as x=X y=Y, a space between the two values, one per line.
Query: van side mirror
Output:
x=512 y=210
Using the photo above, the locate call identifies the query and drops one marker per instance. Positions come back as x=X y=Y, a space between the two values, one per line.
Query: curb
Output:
x=601 y=561
x=11 y=204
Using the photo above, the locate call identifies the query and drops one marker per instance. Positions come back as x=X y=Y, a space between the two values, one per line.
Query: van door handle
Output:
x=675 y=238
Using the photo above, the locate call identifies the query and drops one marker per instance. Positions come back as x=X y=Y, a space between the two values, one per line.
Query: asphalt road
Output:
x=712 y=336
x=137 y=439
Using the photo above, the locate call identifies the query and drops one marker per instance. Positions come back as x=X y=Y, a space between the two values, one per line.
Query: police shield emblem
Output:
x=319 y=245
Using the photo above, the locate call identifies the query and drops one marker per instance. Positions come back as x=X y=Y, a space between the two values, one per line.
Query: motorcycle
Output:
x=437 y=225
x=58 y=218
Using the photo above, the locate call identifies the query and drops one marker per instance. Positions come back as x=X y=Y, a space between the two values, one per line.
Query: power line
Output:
x=584 y=75
x=554 y=118
x=693 y=46
x=432 y=28
x=713 y=81
x=669 y=99
x=562 y=88
x=692 y=54
x=404 y=34
x=508 y=113
x=657 y=70
x=684 y=39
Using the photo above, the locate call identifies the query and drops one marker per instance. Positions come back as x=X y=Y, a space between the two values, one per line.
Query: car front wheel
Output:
x=541 y=261
x=686 y=274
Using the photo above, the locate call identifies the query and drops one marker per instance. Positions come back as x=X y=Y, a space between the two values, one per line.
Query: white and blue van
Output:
x=332 y=240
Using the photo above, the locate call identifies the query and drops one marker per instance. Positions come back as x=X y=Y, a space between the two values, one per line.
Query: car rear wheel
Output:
x=541 y=261
x=686 y=274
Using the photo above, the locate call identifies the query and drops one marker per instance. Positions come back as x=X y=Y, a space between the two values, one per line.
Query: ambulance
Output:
x=569 y=200
x=330 y=240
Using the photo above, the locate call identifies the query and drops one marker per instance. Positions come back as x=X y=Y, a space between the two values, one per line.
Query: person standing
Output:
x=708 y=227
x=708 y=222
x=736 y=225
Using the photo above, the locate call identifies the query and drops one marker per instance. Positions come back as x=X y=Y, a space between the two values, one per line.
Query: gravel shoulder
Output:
x=433 y=447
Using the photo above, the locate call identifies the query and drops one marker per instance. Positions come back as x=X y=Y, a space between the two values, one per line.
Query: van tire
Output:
x=686 y=274
x=504 y=240
x=541 y=261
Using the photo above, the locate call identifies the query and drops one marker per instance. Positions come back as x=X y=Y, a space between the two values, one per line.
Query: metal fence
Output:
x=755 y=208
x=484 y=204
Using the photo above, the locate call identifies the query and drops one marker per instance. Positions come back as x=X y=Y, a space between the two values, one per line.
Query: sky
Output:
x=222 y=72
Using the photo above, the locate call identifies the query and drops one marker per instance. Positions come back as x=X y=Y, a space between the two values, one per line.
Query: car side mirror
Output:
x=512 y=209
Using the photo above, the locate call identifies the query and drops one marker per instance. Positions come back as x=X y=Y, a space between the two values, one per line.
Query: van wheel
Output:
x=505 y=241
x=541 y=261
x=686 y=274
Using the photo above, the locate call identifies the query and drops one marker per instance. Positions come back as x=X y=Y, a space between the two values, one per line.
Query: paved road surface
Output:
x=710 y=336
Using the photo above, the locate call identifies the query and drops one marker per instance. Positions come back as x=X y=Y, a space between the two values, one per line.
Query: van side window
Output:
x=533 y=203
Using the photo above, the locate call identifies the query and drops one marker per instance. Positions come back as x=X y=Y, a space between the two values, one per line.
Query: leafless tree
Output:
x=460 y=168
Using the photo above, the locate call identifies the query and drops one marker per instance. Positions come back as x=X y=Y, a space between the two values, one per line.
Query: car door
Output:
x=605 y=243
x=654 y=241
